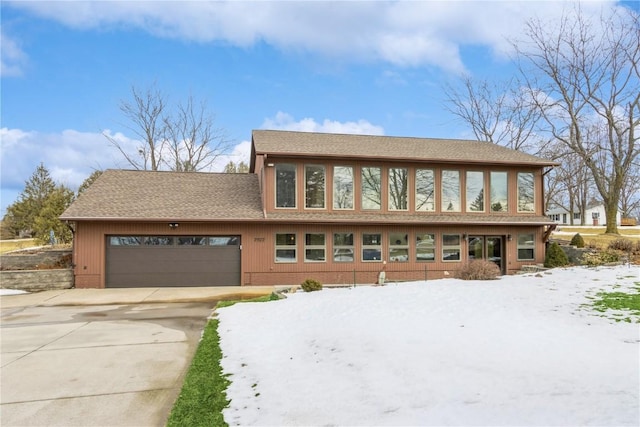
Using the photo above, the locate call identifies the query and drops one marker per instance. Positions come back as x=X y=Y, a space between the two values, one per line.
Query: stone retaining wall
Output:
x=37 y=280
x=36 y=260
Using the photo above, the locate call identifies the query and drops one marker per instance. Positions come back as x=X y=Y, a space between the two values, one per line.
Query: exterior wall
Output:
x=269 y=186
x=259 y=266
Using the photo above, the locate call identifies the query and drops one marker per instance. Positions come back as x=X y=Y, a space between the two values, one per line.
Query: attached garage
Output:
x=172 y=261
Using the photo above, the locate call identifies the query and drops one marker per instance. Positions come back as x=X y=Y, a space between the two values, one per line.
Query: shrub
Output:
x=623 y=245
x=311 y=285
x=637 y=248
x=555 y=256
x=479 y=270
x=594 y=259
x=577 y=241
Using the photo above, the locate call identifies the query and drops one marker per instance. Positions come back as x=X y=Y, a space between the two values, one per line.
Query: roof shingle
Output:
x=323 y=145
x=147 y=195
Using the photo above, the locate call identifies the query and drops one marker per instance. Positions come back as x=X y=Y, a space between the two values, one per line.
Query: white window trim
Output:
x=285 y=247
x=324 y=200
x=295 y=187
x=458 y=247
x=323 y=247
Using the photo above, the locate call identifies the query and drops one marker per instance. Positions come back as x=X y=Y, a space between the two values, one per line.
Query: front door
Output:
x=486 y=247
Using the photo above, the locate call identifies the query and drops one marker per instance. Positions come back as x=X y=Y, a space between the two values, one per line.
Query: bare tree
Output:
x=587 y=74
x=182 y=138
x=193 y=142
x=496 y=112
x=145 y=113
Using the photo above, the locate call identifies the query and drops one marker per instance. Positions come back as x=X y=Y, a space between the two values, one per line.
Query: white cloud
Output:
x=70 y=156
x=12 y=57
x=405 y=33
x=284 y=121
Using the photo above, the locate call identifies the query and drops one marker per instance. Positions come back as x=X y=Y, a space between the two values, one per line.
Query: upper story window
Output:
x=450 y=191
x=475 y=191
x=425 y=190
x=342 y=187
x=314 y=186
x=526 y=194
x=285 y=185
x=371 y=194
x=398 y=183
x=498 y=183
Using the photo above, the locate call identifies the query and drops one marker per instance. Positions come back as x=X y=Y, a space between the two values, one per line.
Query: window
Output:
x=475 y=191
x=576 y=215
x=314 y=187
x=192 y=241
x=450 y=247
x=525 y=247
x=285 y=185
x=371 y=247
x=224 y=241
x=286 y=247
x=475 y=247
x=343 y=247
x=158 y=241
x=342 y=187
x=314 y=247
x=425 y=193
x=526 y=193
x=450 y=191
x=125 y=240
x=371 y=188
x=425 y=247
x=398 y=189
x=499 y=192
x=398 y=247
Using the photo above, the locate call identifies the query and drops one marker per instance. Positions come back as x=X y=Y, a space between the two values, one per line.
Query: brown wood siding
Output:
x=269 y=185
x=258 y=266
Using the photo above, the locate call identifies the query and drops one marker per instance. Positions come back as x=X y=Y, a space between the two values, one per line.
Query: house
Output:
x=593 y=215
x=336 y=208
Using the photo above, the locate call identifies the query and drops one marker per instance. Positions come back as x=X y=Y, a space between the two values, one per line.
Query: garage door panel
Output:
x=172 y=265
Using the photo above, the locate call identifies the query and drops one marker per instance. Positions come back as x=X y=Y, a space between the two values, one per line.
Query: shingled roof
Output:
x=166 y=196
x=330 y=145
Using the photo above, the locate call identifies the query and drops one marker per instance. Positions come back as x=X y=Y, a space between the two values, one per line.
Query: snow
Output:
x=522 y=350
x=11 y=292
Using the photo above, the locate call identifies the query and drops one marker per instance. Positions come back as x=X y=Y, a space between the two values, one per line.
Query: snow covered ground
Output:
x=522 y=350
x=11 y=292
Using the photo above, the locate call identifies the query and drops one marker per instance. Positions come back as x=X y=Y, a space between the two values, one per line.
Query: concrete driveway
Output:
x=108 y=357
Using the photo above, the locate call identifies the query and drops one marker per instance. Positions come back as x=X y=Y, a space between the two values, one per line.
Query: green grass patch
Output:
x=271 y=297
x=203 y=396
x=627 y=303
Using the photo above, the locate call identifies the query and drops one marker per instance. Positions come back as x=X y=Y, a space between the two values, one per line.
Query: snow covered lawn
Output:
x=523 y=350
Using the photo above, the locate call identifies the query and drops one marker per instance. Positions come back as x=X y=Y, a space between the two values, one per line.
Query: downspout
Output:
x=71 y=225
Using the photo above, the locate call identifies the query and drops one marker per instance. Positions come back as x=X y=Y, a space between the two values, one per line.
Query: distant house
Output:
x=335 y=208
x=594 y=215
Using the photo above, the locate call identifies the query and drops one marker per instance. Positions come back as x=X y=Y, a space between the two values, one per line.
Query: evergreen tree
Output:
x=21 y=215
x=241 y=167
x=90 y=180
x=478 y=204
x=47 y=219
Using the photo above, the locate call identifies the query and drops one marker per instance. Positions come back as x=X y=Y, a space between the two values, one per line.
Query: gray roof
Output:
x=166 y=196
x=330 y=145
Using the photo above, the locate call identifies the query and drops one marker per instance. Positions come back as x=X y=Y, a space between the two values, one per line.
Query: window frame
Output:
x=420 y=196
x=524 y=246
x=394 y=246
x=295 y=186
x=520 y=201
x=392 y=204
x=323 y=186
x=467 y=189
x=365 y=246
x=337 y=247
x=457 y=192
x=446 y=247
x=350 y=193
x=362 y=189
x=287 y=247
x=493 y=175
x=420 y=246
x=315 y=247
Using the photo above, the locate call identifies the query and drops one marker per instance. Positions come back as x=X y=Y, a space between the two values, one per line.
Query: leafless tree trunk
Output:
x=145 y=114
x=193 y=142
x=585 y=75
x=497 y=113
x=182 y=139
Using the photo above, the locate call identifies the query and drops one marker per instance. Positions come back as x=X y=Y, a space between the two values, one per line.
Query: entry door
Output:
x=487 y=247
x=494 y=251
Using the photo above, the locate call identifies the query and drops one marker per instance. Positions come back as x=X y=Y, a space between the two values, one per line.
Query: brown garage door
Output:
x=153 y=261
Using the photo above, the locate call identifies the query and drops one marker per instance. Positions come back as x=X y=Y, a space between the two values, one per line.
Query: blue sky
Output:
x=350 y=67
